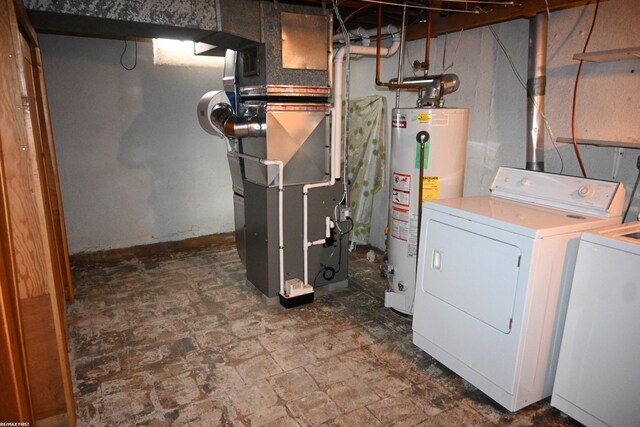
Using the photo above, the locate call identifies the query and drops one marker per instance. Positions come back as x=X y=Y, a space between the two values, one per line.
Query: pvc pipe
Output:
x=401 y=56
x=362 y=33
x=336 y=131
x=280 y=166
x=305 y=205
x=338 y=83
x=305 y=215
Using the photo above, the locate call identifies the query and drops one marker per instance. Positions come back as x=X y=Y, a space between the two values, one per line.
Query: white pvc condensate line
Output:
x=336 y=131
x=338 y=82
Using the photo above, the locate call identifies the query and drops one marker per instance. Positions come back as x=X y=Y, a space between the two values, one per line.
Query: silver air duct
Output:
x=223 y=117
x=433 y=88
x=216 y=117
x=536 y=83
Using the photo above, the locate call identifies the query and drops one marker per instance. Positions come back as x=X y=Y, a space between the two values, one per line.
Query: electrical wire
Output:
x=357 y=10
x=524 y=85
x=633 y=192
x=332 y=271
x=440 y=9
x=575 y=95
x=347 y=74
x=135 y=61
x=455 y=52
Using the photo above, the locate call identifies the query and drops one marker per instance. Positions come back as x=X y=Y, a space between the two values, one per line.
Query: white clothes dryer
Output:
x=494 y=274
x=598 y=377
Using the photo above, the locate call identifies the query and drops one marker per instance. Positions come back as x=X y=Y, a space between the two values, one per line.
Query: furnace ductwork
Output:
x=231 y=125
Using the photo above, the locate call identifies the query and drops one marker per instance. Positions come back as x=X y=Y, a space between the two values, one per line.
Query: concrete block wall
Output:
x=135 y=167
x=608 y=95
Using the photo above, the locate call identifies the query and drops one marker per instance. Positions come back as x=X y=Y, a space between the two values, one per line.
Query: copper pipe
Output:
x=425 y=64
x=423 y=139
x=379 y=35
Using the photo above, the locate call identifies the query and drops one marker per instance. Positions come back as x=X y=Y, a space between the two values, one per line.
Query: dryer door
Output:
x=472 y=272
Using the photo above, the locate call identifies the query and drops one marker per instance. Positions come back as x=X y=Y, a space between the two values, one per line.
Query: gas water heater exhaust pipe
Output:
x=536 y=84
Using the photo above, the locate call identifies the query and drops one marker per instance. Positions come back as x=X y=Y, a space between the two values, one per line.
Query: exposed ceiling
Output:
x=196 y=19
x=447 y=16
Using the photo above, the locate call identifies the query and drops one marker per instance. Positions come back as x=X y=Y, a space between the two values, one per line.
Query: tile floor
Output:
x=179 y=338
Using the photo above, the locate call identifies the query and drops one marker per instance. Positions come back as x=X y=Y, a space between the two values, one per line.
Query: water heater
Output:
x=444 y=135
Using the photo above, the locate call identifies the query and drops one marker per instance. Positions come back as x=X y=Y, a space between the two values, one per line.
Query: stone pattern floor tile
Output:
x=182 y=339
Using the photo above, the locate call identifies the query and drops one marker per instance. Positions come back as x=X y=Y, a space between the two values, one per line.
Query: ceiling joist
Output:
x=490 y=15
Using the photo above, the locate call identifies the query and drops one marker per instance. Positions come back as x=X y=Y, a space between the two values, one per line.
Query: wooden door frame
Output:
x=15 y=133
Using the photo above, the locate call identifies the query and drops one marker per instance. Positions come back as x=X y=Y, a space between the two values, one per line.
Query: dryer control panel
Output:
x=584 y=195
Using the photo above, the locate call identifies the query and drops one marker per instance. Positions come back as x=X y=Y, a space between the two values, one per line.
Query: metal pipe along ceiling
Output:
x=536 y=85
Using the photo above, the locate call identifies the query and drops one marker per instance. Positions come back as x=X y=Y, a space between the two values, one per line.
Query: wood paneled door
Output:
x=35 y=383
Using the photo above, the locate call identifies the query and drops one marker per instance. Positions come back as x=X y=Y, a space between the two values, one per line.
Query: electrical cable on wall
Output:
x=328 y=273
x=633 y=192
x=357 y=10
x=135 y=60
x=575 y=95
x=455 y=52
x=345 y=154
x=524 y=85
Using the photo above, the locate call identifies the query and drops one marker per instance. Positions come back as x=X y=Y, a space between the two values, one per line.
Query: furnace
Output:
x=291 y=217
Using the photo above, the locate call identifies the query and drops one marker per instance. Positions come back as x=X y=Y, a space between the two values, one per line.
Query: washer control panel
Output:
x=589 y=196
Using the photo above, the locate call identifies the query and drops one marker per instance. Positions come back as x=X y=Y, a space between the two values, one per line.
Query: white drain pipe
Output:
x=336 y=130
x=305 y=202
x=338 y=80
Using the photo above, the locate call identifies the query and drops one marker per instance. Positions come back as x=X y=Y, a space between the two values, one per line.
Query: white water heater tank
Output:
x=443 y=177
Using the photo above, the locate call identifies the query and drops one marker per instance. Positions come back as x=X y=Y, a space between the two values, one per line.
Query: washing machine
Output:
x=494 y=276
x=598 y=377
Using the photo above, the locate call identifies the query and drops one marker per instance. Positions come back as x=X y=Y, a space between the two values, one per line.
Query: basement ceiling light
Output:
x=181 y=53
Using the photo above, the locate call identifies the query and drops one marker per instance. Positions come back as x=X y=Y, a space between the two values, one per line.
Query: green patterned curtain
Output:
x=367 y=160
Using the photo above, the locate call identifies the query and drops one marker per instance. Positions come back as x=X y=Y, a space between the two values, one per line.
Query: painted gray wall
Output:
x=134 y=165
x=608 y=95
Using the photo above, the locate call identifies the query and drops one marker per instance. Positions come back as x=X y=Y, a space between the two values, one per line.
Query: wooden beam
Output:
x=494 y=15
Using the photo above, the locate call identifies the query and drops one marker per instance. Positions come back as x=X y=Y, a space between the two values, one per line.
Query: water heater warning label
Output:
x=430 y=188
x=424 y=118
x=400 y=214
x=400 y=223
x=401 y=181
x=399 y=197
x=399 y=229
x=412 y=247
x=399 y=121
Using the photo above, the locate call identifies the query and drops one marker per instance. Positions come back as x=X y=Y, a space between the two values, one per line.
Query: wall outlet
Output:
x=343 y=213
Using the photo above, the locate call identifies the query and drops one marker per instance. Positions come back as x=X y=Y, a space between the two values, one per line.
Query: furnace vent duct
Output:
x=536 y=85
x=448 y=82
x=434 y=87
x=223 y=117
x=216 y=117
x=205 y=107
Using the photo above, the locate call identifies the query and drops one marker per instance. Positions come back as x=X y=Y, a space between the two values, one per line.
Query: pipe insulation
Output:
x=536 y=87
x=223 y=118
